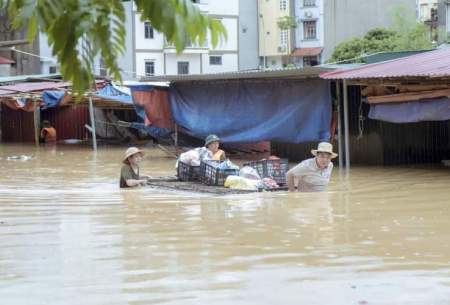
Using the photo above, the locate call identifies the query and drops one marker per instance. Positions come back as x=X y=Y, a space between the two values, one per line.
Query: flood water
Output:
x=69 y=235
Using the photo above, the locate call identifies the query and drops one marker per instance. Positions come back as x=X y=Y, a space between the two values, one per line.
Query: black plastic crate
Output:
x=210 y=174
x=275 y=169
x=186 y=172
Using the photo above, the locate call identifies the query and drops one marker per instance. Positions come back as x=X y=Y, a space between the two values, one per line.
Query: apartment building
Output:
x=275 y=42
x=444 y=18
x=149 y=53
x=309 y=32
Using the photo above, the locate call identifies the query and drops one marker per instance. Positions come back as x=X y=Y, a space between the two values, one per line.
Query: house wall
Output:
x=269 y=13
x=345 y=19
x=248 y=35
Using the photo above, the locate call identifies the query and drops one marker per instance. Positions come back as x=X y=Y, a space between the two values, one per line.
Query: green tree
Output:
x=412 y=35
x=405 y=34
x=80 y=30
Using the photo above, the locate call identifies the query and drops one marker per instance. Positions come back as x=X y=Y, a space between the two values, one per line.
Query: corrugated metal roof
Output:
x=30 y=87
x=247 y=74
x=425 y=65
x=6 y=61
x=18 y=78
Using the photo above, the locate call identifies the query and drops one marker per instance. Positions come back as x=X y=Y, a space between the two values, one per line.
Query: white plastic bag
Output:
x=249 y=173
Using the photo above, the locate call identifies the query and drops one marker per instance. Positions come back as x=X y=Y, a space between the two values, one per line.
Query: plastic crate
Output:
x=186 y=172
x=210 y=174
x=275 y=169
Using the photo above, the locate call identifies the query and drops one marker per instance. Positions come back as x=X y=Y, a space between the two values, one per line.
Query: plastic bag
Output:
x=191 y=157
x=240 y=183
x=249 y=173
x=227 y=164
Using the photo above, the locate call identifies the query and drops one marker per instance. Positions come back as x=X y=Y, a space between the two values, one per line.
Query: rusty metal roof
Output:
x=6 y=61
x=431 y=64
x=307 y=72
x=31 y=87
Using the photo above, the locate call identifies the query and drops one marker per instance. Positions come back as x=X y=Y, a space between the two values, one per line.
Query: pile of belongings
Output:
x=194 y=156
x=250 y=180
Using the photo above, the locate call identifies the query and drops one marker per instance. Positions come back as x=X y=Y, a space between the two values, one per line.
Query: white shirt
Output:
x=310 y=177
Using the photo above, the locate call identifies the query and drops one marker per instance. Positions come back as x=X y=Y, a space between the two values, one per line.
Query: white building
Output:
x=154 y=56
x=309 y=33
x=148 y=52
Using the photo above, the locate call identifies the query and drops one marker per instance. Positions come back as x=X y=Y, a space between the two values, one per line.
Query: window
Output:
x=283 y=38
x=309 y=61
x=215 y=60
x=283 y=5
x=309 y=30
x=183 y=67
x=52 y=69
x=149 y=32
x=309 y=3
x=149 y=67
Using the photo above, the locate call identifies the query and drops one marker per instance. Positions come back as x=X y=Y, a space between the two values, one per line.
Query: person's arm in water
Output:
x=290 y=181
x=134 y=182
x=293 y=173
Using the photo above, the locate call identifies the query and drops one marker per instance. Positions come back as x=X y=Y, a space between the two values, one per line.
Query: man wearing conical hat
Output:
x=313 y=174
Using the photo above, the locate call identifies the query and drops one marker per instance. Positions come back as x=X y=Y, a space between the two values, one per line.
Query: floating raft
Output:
x=172 y=183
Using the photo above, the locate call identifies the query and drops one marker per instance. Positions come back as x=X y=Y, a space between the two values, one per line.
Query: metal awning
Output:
x=429 y=65
x=291 y=73
x=307 y=51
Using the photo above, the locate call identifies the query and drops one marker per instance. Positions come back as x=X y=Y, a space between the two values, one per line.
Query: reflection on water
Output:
x=69 y=235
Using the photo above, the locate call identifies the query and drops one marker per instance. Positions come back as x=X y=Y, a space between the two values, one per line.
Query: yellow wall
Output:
x=268 y=14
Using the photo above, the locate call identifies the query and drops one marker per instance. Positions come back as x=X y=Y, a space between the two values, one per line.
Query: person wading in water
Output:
x=313 y=174
x=48 y=133
x=129 y=174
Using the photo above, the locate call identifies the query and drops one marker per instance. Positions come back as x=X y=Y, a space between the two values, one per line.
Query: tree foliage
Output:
x=287 y=23
x=80 y=30
x=405 y=34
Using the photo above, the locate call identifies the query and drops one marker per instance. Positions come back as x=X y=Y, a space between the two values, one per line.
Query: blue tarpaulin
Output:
x=52 y=98
x=291 y=111
x=410 y=112
x=113 y=93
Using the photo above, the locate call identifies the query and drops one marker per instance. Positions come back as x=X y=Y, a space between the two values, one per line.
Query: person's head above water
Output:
x=133 y=156
x=324 y=153
x=46 y=124
x=212 y=142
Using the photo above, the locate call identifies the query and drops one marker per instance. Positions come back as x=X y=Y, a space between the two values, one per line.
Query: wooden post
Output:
x=338 y=98
x=37 y=121
x=346 y=127
x=91 y=113
x=176 y=139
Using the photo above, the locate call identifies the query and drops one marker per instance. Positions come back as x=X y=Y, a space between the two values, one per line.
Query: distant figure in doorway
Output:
x=48 y=133
x=129 y=174
x=313 y=174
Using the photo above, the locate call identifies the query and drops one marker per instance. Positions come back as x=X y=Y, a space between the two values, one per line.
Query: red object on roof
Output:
x=307 y=52
x=429 y=64
x=31 y=86
x=6 y=61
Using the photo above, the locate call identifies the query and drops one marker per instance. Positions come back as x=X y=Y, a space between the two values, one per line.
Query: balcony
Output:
x=190 y=48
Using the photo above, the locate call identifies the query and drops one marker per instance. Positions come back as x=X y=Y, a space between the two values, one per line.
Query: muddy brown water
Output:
x=68 y=235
